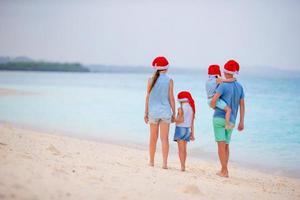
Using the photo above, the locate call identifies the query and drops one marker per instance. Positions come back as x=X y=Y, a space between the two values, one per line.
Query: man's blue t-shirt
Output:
x=231 y=93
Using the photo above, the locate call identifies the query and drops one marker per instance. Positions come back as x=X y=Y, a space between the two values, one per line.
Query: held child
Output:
x=214 y=79
x=184 y=131
x=159 y=108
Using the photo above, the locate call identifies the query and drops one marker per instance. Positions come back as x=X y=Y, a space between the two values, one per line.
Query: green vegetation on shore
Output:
x=43 y=66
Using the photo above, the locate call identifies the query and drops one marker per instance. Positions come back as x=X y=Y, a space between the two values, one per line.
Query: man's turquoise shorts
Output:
x=221 y=134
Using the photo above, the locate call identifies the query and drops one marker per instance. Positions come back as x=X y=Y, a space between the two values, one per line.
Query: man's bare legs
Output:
x=227 y=155
x=153 y=141
x=164 y=137
x=182 y=153
x=223 y=151
x=228 y=125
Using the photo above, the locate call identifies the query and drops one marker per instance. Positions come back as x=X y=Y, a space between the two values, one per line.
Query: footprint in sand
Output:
x=54 y=150
x=89 y=168
x=27 y=157
x=191 y=189
x=2 y=145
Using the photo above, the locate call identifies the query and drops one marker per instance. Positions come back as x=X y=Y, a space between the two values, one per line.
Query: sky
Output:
x=190 y=33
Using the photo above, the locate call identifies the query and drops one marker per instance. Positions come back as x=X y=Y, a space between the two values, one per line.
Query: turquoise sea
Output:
x=110 y=106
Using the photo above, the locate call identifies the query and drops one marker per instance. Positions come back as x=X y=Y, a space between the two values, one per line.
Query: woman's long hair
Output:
x=154 y=79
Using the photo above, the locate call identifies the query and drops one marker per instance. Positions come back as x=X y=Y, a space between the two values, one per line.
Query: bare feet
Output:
x=229 y=126
x=151 y=164
x=223 y=174
x=165 y=166
x=182 y=168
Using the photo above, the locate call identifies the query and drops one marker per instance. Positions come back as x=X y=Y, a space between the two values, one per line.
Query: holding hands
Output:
x=173 y=118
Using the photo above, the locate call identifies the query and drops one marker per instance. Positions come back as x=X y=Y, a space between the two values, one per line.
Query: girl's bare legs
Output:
x=164 y=137
x=153 y=141
x=182 y=153
x=228 y=125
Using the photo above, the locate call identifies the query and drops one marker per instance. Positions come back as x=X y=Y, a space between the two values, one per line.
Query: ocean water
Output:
x=111 y=106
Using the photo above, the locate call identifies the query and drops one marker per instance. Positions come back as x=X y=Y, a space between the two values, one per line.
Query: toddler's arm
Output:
x=224 y=80
x=192 y=137
x=180 y=118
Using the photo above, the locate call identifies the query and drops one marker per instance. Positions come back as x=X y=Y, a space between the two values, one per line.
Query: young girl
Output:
x=211 y=85
x=159 y=108
x=184 y=131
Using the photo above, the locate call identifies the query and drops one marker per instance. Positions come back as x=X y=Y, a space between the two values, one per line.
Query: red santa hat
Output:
x=160 y=63
x=231 y=67
x=214 y=70
x=186 y=96
x=237 y=69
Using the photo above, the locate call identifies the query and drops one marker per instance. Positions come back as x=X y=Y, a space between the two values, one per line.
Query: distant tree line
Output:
x=43 y=66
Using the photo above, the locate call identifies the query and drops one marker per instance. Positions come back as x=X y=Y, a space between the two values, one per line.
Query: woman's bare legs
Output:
x=182 y=153
x=153 y=141
x=164 y=137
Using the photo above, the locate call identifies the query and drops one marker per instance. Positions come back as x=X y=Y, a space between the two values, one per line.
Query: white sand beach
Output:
x=36 y=165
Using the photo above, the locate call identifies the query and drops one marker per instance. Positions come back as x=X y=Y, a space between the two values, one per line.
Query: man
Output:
x=232 y=93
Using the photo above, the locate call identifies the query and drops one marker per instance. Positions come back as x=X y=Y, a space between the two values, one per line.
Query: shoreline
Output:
x=193 y=153
x=38 y=165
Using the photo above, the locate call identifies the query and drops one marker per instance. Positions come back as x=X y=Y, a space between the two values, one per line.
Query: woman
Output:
x=159 y=108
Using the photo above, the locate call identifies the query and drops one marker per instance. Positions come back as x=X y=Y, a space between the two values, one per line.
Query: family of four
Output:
x=224 y=95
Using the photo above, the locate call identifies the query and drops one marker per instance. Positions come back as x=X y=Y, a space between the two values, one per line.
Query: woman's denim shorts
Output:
x=159 y=120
